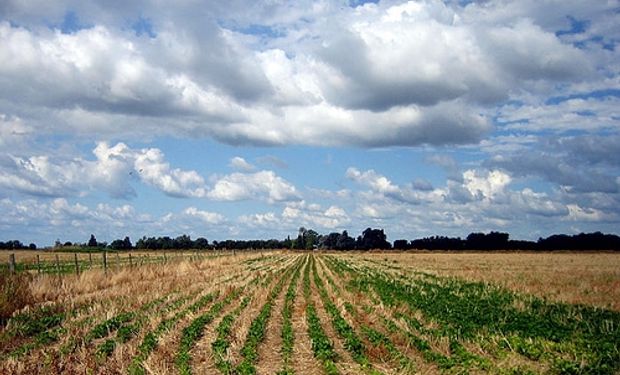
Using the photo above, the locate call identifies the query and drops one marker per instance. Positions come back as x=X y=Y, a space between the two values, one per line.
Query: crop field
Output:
x=334 y=313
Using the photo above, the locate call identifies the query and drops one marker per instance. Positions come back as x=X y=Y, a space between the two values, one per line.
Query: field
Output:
x=313 y=313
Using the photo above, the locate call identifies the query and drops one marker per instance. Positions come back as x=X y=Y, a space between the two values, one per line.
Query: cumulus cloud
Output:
x=296 y=214
x=379 y=75
x=480 y=199
x=116 y=167
x=375 y=181
x=154 y=170
x=205 y=216
x=75 y=221
x=313 y=215
x=111 y=171
x=581 y=164
x=241 y=164
x=522 y=91
x=13 y=132
x=577 y=114
x=485 y=185
x=265 y=185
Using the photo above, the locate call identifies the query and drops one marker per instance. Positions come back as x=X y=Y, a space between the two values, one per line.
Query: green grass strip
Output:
x=222 y=343
x=194 y=331
x=351 y=340
x=149 y=343
x=288 y=335
x=321 y=345
x=256 y=333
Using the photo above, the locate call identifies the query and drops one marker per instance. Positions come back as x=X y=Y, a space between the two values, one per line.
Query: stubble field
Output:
x=334 y=313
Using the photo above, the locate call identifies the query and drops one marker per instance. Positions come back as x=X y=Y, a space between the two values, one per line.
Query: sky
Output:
x=249 y=119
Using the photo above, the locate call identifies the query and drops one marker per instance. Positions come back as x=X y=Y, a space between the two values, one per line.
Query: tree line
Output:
x=309 y=239
x=16 y=245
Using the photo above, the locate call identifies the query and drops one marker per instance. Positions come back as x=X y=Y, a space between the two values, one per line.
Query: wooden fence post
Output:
x=105 y=262
x=77 y=266
x=130 y=262
x=38 y=264
x=57 y=265
x=12 y=263
x=90 y=259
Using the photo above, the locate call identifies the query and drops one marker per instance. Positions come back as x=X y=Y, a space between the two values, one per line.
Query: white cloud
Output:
x=313 y=216
x=154 y=170
x=111 y=171
x=387 y=74
x=577 y=213
x=264 y=185
x=510 y=79
x=205 y=216
x=375 y=181
x=241 y=164
x=485 y=184
x=13 y=132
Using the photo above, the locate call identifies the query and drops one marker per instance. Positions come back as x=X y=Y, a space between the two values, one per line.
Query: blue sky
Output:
x=250 y=119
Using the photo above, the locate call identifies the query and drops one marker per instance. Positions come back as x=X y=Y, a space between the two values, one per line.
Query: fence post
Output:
x=77 y=266
x=105 y=262
x=38 y=264
x=90 y=259
x=130 y=262
x=57 y=265
x=12 y=263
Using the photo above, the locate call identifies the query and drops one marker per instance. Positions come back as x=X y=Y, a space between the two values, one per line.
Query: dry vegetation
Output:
x=345 y=313
x=587 y=278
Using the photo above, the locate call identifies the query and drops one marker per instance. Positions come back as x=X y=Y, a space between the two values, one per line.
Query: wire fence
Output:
x=44 y=262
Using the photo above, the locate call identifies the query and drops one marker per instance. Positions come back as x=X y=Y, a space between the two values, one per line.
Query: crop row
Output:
x=68 y=336
x=567 y=338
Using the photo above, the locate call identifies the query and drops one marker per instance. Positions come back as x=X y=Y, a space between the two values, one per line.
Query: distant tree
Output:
x=67 y=244
x=401 y=245
x=311 y=239
x=345 y=242
x=373 y=239
x=32 y=246
x=300 y=242
x=329 y=241
x=287 y=243
x=183 y=242
x=92 y=242
x=12 y=245
x=201 y=243
x=124 y=244
x=491 y=241
x=127 y=243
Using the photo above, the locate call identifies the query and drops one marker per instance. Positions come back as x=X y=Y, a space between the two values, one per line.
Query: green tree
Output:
x=92 y=242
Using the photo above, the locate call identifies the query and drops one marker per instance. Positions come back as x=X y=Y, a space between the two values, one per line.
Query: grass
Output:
x=322 y=346
x=256 y=333
x=222 y=342
x=288 y=334
x=360 y=312
x=193 y=332
x=468 y=310
x=352 y=342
